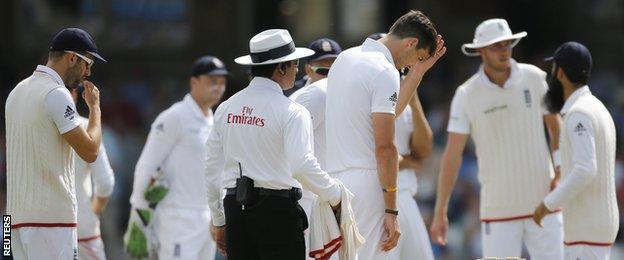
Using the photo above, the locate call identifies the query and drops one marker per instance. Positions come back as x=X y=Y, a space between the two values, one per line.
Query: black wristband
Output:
x=393 y=212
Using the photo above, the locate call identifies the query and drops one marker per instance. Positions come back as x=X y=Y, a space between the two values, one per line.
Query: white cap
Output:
x=489 y=32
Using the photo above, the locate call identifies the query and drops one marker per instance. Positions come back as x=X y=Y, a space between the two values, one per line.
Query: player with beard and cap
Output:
x=169 y=176
x=414 y=140
x=500 y=108
x=364 y=95
x=317 y=66
x=312 y=97
x=587 y=188
x=42 y=134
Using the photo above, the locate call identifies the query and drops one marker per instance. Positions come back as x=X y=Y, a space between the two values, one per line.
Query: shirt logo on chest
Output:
x=245 y=118
x=527 y=98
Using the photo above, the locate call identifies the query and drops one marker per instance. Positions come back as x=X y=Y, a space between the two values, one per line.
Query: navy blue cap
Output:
x=377 y=36
x=208 y=65
x=324 y=48
x=574 y=58
x=75 y=39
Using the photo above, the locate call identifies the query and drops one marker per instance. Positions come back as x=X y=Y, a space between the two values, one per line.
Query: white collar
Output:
x=47 y=70
x=193 y=106
x=371 y=44
x=513 y=76
x=584 y=90
x=266 y=83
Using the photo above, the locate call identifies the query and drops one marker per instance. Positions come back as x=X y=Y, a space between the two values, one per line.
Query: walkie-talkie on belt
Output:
x=244 y=189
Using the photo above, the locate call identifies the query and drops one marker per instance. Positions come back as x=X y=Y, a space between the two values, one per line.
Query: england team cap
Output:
x=75 y=39
x=574 y=58
x=324 y=48
x=209 y=65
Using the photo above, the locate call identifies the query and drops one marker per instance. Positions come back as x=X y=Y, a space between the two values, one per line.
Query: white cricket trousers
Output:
x=414 y=241
x=587 y=252
x=34 y=243
x=91 y=248
x=504 y=238
x=183 y=234
x=368 y=208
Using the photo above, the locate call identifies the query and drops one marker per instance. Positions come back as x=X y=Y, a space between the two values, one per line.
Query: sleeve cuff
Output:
x=549 y=203
x=458 y=130
x=386 y=110
x=68 y=127
x=218 y=220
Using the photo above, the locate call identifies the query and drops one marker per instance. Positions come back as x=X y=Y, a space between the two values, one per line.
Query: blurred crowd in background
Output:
x=151 y=44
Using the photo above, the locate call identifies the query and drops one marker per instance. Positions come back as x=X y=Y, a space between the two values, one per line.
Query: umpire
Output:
x=260 y=150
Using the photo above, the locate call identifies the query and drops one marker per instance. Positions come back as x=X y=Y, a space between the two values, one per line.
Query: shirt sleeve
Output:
x=458 y=118
x=385 y=92
x=162 y=138
x=103 y=176
x=542 y=89
x=60 y=107
x=303 y=164
x=580 y=131
x=215 y=161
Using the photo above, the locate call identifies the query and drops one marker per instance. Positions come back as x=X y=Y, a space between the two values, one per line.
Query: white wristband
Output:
x=556 y=158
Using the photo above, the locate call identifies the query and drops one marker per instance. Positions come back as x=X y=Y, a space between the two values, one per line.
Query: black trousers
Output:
x=271 y=228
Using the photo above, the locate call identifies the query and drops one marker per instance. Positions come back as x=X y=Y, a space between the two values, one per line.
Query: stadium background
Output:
x=150 y=45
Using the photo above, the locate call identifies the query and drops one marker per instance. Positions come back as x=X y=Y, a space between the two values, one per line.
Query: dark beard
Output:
x=554 y=96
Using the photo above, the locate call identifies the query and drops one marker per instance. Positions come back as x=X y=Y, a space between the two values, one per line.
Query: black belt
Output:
x=294 y=193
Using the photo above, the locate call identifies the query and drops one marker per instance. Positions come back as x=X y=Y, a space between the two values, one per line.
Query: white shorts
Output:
x=414 y=241
x=504 y=238
x=183 y=234
x=368 y=208
x=587 y=252
x=91 y=248
x=44 y=243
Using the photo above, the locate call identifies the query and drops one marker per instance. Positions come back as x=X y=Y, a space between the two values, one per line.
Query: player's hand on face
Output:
x=91 y=94
x=438 y=229
x=391 y=232
x=218 y=234
x=423 y=66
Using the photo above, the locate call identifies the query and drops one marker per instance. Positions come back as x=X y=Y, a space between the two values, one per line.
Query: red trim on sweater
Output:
x=20 y=225
x=88 y=238
x=328 y=245
x=488 y=220
x=330 y=253
x=586 y=243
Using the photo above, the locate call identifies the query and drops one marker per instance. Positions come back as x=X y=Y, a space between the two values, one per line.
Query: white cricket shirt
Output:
x=312 y=97
x=176 y=144
x=363 y=80
x=403 y=128
x=587 y=188
x=271 y=137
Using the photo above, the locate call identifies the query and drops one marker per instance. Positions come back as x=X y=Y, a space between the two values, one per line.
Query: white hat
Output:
x=272 y=46
x=489 y=32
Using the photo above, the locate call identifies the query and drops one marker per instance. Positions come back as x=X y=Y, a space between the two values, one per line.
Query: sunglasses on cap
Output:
x=320 y=70
x=85 y=58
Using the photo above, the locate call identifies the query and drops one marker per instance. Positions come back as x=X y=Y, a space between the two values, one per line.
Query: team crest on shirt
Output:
x=394 y=97
x=69 y=113
x=527 y=98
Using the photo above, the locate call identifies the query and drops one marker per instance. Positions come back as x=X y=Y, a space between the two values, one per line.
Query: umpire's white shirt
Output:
x=176 y=145
x=271 y=137
x=363 y=80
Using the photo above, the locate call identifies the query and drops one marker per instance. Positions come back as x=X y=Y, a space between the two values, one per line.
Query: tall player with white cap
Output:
x=261 y=146
x=501 y=108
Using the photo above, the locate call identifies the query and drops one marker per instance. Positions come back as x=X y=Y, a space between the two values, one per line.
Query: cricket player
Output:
x=42 y=134
x=94 y=185
x=360 y=133
x=587 y=189
x=500 y=107
x=260 y=150
x=312 y=97
x=173 y=159
x=414 y=140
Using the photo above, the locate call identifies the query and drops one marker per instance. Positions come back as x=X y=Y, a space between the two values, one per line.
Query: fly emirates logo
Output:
x=245 y=118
